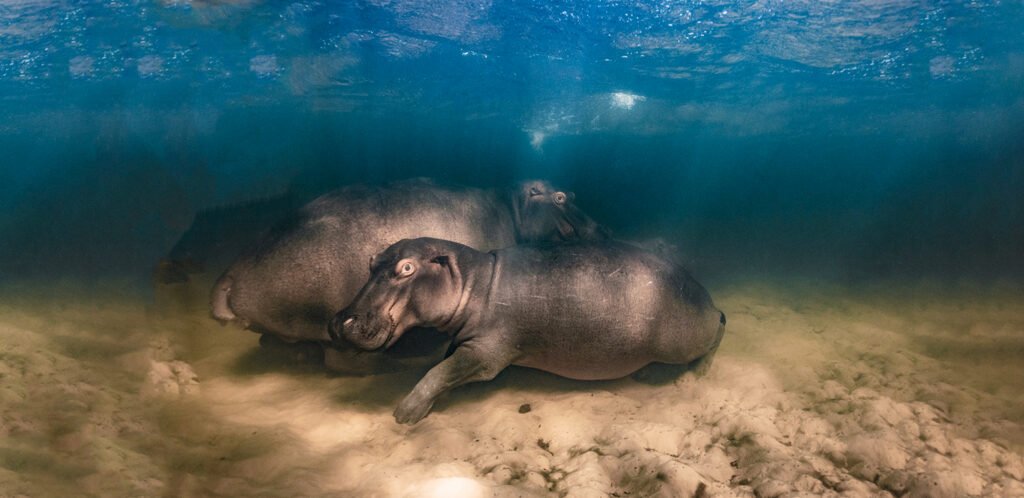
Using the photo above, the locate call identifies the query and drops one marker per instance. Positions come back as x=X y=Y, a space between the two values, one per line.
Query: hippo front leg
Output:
x=472 y=361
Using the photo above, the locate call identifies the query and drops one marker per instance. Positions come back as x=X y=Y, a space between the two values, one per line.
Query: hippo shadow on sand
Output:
x=383 y=392
x=303 y=358
x=275 y=355
x=533 y=381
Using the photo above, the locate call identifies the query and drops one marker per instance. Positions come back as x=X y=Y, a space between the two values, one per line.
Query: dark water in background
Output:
x=841 y=139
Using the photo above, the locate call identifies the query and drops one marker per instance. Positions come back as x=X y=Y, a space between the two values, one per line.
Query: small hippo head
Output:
x=413 y=283
x=543 y=213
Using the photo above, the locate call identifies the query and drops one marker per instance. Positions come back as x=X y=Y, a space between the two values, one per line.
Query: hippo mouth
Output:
x=575 y=223
x=387 y=342
x=566 y=228
x=392 y=338
x=392 y=328
x=363 y=336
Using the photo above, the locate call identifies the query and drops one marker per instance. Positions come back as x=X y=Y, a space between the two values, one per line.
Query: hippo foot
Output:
x=412 y=410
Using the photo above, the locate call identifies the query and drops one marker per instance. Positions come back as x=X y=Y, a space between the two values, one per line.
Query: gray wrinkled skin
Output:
x=590 y=310
x=314 y=263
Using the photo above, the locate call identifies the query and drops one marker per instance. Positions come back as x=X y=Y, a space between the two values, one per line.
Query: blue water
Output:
x=851 y=139
x=845 y=177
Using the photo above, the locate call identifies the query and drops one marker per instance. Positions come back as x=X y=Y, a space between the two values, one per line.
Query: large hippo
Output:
x=590 y=310
x=313 y=263
x=211 y=243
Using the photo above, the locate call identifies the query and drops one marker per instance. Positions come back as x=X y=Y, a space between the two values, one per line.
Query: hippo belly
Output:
x=592 y=366
x=584 y=346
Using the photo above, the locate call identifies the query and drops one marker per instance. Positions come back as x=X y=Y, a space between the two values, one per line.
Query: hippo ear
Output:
x=449 y=262
x=450 y=265
x=571 y=196
x=374 y=261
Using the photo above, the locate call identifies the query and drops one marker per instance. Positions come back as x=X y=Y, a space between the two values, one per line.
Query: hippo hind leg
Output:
x=702 y=365
x=659 y=373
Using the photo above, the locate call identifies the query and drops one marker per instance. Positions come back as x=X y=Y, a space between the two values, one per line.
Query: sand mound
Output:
x=814 y=392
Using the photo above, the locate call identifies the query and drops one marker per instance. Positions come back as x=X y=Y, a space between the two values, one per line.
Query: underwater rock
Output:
x=883 y=451
x=170 y=378
x=586 y=476
x=681 y=480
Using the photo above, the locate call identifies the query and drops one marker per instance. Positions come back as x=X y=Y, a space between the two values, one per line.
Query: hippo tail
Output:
x=702 y=364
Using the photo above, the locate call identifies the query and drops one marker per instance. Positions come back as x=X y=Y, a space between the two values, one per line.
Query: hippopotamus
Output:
x=214 y=239
x=314 y=262
x=588 y=311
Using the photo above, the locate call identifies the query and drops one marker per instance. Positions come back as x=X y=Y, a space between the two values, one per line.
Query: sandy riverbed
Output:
x=902 y=389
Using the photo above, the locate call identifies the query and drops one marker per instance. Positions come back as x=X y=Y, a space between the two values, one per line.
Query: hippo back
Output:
x=601 y=310
x=212 y=242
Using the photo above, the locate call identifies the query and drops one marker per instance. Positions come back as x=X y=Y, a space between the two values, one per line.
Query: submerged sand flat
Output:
x=908 y=390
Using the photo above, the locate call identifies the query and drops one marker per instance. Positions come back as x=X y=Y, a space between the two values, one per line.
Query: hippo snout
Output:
x=365 y=331
x=220 y=308
x=336 y=329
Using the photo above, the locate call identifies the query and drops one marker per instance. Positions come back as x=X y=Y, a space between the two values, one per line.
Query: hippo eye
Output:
x=534 y=192
x=559 y=198
x=405 y=268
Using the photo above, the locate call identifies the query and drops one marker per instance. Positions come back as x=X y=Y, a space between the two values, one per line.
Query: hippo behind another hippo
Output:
x=214 y=239
x=314 y=263
x=592 y=310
